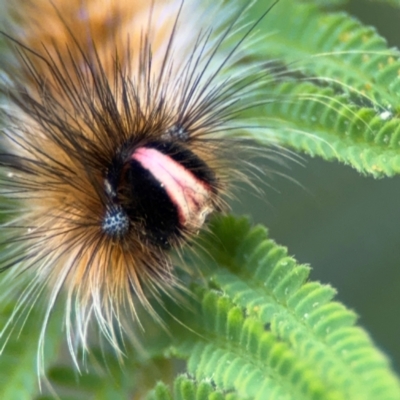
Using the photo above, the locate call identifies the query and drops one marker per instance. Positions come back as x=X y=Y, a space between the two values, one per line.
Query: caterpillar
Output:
x=113 y=145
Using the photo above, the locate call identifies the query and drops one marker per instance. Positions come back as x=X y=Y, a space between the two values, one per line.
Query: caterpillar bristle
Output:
x=112 y=148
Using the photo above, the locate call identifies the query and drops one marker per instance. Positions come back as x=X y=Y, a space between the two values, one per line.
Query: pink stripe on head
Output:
x=190 y=195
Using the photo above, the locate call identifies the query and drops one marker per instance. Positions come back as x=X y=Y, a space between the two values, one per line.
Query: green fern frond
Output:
x=237 y=353
x=334 y=47
x=341 y=96
x=160 y=392
x=189 y=389
x=266 y=333
x=322 y=123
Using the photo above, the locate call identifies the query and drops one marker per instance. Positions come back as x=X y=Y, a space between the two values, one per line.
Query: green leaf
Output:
x=336 y=91
x=186 y=388
x=321 y=123
x=265 y=332
x=335 y=46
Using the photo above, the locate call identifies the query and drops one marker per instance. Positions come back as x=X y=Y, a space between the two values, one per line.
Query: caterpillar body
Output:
x=112 y=146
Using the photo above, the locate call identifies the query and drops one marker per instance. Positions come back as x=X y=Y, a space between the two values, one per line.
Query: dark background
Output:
x=345 y=225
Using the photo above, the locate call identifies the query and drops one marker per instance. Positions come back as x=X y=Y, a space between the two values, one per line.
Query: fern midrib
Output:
x=290 y=121
x=328 y=136
x=221 y=342
x=340 y=364
x=298 y=52
x=380 y=158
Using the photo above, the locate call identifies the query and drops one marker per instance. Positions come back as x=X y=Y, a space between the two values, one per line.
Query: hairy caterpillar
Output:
x=112 y=146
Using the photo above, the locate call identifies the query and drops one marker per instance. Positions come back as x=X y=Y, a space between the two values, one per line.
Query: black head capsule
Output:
x=160 y=189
